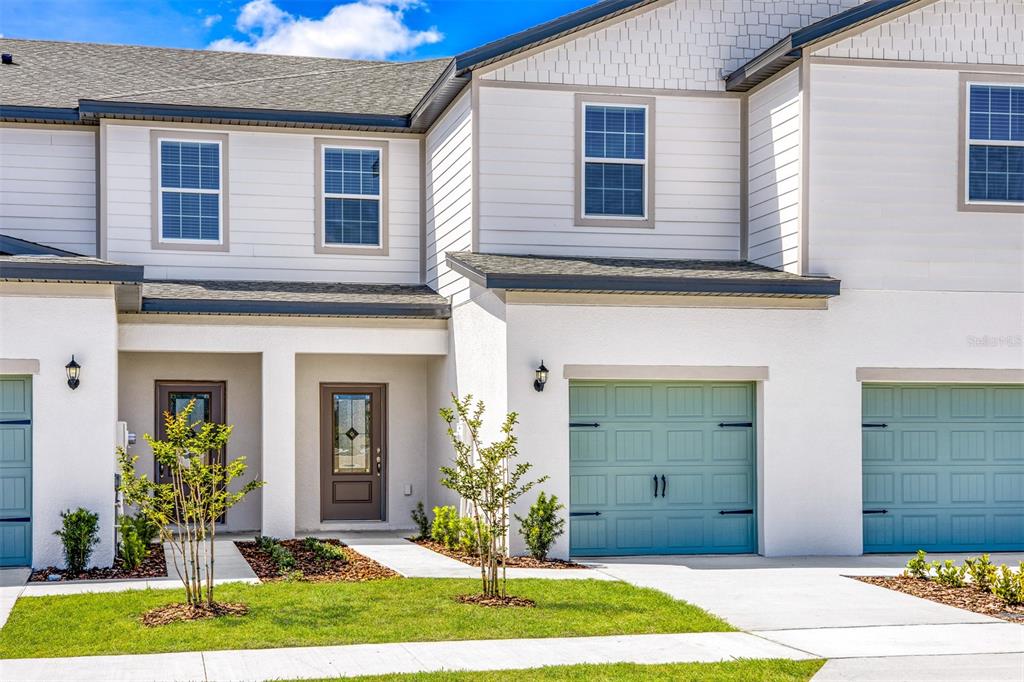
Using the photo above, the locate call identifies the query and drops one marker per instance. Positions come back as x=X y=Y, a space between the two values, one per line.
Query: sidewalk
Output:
x=260 y=665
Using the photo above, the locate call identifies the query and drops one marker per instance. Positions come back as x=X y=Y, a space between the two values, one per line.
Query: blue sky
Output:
x=370 y=29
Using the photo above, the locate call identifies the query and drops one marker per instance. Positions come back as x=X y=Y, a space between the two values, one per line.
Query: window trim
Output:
x=158 y=240
x=321 y=144
x=963 y=203
x=648 y=103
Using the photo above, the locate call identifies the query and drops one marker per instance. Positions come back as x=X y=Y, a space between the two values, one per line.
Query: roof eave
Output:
x=76 y=273
x=432 y=311
x=33 y=114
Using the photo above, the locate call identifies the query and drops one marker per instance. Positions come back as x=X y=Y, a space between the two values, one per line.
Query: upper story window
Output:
x=190 y=176
x=615 y=160
x=351 y=208
x=995 y=144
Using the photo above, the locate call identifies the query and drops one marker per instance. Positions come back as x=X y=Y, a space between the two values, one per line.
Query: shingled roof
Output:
x=59 y=75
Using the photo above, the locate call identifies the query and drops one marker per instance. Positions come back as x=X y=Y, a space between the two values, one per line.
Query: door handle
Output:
x=655 y=485
x=664 y=485
x=378 y=463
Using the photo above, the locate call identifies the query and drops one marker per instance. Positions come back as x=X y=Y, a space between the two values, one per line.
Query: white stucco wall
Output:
x=137 y=379
x=407 y=414
x=809 y=451
x=73 y=461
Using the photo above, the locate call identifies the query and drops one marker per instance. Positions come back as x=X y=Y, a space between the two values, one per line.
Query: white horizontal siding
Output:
x=949 y=31
x=883 y=187
x=527 y=179
x=48 y=187
x=449 y=193
x=271 y=194
x=773 y=174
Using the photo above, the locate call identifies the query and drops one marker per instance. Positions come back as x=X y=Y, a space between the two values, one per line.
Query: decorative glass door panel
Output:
x=352 y=451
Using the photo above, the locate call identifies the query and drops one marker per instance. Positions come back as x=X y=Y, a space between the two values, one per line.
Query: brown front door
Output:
x=174 y=396
x=353 y=453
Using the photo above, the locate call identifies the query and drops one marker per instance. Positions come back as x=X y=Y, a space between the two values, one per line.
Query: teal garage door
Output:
x=943 y=468
x=15 y=471
x=661 y=468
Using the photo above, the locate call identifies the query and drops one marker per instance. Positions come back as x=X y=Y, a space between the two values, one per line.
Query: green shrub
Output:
x=79 y=534
x=949 y=574
x=982 y=571
x=265 y=543
x=445 y=528
x=468 y=542
x=132 y=548
x=542 y=525
x=918 y=567
x=1009 y=585
x=283 y=559
x=419 y=517
x=324 y=551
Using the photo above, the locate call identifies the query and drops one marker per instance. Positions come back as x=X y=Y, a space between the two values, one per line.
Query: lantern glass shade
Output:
x=540 y=377
x=73 y=370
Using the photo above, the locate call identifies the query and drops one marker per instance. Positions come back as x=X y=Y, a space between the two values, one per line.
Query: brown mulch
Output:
x=174 y=613
x=495 y=602
x=153 y=566
x=510 y=562
x=968 y=597
x=355 y=568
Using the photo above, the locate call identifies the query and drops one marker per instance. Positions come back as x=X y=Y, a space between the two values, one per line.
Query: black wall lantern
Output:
x=541 y=374
x=73 y=369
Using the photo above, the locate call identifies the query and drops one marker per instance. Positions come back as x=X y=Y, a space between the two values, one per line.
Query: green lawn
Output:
x=309 y=614
x=767 y=670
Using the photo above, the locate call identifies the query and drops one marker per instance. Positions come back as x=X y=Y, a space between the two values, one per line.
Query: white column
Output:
x=278 y=470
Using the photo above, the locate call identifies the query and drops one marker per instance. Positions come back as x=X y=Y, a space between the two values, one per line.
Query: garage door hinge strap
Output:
x=16 y=519
x=593 y=425
x=25 y=422
x=584 y=513
x=722 y=425
x=736 y=511
x=875 y=426
x=876 y=511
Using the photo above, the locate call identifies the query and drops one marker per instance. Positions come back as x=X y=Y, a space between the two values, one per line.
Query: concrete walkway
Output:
x=979 y=668
x=413 y=561
x=380 y=659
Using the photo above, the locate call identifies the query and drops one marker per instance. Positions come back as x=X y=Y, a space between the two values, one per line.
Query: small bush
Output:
x=982 y=571
x=445 y=528
x=542 y=525
x=265 y=543
x=79 y=534
x=468 y=542
x=949 y=574
x=1009 y=585
x=324 y=551
x=133 y=547
x=419 y=517
x=918 y=567
x=283 y=559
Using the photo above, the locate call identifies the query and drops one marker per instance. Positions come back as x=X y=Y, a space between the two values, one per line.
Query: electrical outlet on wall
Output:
x=408 y=489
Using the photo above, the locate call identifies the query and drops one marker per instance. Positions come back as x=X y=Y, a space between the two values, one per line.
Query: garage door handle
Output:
x=876 y=511
x=16 y=519
x=723 y=512
x=875 y=426
x=664 y=485
x=723 y=425
x=593 y=425
x=584 y=513
x=655 y=486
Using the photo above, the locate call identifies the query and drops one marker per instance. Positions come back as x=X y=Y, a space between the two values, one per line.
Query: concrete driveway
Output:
x=809 y=604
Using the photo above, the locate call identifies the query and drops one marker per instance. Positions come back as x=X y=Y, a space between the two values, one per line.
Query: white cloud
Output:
x=364 y=29
x=211 y=20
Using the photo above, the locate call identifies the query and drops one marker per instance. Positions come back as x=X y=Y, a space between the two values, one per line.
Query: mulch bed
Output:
x=153 y=566
x=174 y=613
x=510 y=562
x=355 y=568
x=968 y=597
x=495 y=602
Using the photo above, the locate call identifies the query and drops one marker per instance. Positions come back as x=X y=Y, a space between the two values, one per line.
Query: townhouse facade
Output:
x=769 y=255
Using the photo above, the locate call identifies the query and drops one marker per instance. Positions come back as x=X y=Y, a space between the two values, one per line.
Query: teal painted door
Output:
x=943 y=468
x=661 y=468
x=15 y=471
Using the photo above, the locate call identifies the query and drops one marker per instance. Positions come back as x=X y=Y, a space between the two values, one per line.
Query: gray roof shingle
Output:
x=59 y=74
x=632 y=275
x=292 y=298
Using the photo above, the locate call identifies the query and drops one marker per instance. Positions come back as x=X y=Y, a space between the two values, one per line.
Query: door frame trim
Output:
x=385 y=423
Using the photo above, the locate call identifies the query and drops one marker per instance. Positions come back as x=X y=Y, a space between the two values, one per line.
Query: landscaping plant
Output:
x=949 y=574
x=186 y=509
x=135 y=534
x=542 y=525
x=79 y=534
x=445 y=528
x=419 y=517
x=324 y=551
x=469 y=532
x=1009 y=585
x=489 y=482
x=918 y=567
x=982 y=571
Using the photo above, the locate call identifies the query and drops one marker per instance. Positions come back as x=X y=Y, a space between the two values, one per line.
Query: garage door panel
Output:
x=952 y=482
x=658 y=468
x=15 y=471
